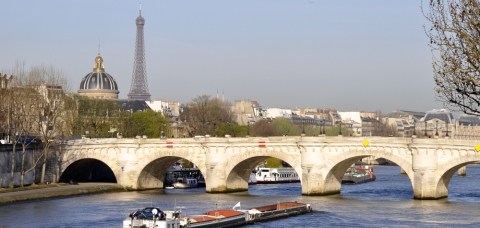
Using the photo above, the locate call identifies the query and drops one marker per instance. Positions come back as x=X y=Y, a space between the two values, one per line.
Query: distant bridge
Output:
x=226 y=163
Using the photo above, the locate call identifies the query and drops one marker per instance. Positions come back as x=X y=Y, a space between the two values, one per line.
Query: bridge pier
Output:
x=316 y=181
x=425 y=183
x=216 y=162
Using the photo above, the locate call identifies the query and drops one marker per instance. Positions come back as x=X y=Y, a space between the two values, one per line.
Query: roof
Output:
x=133 y=105
x=467 y=120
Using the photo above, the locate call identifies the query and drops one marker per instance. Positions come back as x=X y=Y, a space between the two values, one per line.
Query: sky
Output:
x=346 y=55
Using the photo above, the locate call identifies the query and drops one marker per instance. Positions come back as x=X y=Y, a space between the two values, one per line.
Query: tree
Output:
x=264 y=128
x=286 y=127
x=203 y=115
x=51 y=85
x=151 y=123
x=455 y=42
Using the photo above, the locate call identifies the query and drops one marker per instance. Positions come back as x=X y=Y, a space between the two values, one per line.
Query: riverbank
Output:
x=35 y=192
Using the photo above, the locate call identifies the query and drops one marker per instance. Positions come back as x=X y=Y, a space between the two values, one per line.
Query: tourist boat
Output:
x=357 y=175
x=178 y=174
x=152 y=217
x=239 y=217
x=185 y=182
x=276 y=175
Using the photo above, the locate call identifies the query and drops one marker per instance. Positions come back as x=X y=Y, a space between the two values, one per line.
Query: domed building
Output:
x=98 y=83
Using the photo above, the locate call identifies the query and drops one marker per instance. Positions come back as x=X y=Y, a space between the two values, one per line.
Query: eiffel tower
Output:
x=139 y=86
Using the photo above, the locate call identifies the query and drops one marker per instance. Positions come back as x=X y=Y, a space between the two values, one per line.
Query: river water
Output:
x=386 y=202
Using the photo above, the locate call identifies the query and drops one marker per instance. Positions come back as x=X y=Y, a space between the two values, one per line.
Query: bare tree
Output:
x=203 y=115
x=455 y=42
x=15 y=116
x=51 y=85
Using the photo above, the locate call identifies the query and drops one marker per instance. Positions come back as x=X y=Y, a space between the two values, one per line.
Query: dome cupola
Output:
x=98 y=83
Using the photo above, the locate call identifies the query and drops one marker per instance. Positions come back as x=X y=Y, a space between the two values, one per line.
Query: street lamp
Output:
x=248 y=128
x=144 y=128
x=414 y=133
x=436 y=127
x=131 y=128
x=425 y=128
x=228 y=128
x=303 y=126
x=321 y=127
x=138 y=129
x=447 y=129
x=340 y=128
x=162 y=132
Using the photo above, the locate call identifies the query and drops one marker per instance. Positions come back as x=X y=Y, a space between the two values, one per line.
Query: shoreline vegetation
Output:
x=54 y=190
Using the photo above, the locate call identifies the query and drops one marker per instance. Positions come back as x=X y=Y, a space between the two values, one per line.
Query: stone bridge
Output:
x=226 y=163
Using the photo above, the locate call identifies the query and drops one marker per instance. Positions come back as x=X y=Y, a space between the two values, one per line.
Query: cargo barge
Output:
x=154 y=217
x=235 y=218
x=357 y=175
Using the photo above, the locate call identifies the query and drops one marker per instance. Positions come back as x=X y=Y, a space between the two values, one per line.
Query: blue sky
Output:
x=347 y=55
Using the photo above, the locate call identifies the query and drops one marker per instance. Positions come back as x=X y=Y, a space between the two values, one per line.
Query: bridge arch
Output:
x=88 y=170
x=82 y=162
x=240 y=165
x=153 y=168
x=336 y=166
x=446 y=172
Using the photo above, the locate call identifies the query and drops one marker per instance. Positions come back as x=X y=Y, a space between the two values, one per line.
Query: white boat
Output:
x=178 y=172
x=276 y=175
x=185 y=182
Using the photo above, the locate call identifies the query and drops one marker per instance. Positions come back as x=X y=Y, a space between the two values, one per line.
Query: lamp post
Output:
x=248 y=128
x=144 y=128
x=414 y=133
x=131 y=129
x=340 y=128
x=447 y=129
x=228 y=128
x=425 y=128
x=321 y=128
x=138 y=129
x=436 y=127
x=303 y=127
x=162 y=133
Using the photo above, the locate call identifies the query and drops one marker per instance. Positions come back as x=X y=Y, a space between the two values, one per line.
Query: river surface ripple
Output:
x=386 y=202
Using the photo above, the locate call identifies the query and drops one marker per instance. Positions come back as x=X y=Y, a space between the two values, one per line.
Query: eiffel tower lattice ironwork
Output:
x=139 y=86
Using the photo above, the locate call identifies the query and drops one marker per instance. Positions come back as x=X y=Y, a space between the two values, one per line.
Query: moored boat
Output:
x=185 y=182
x=357 y=175
x=276 y=175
